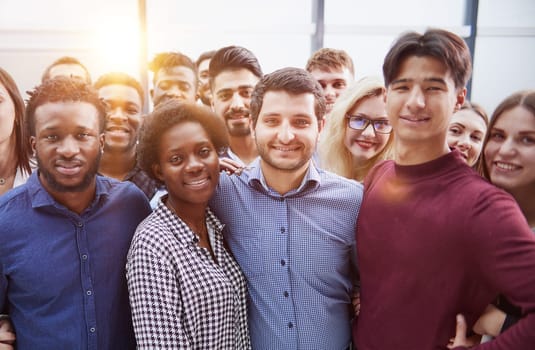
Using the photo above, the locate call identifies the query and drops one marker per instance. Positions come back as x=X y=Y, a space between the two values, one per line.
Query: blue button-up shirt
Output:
x=62 y=275
x=297 y=252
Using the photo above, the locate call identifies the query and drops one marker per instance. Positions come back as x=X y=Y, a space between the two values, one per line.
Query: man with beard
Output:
x=234 y=72
x=64 y=235
x=175 y=77
x=123 y=98
x=290 y=225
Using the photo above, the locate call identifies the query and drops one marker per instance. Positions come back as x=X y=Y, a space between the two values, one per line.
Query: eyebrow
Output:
x=433 y=80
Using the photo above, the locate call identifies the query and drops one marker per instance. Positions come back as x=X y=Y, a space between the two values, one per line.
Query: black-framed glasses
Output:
x=357 y=122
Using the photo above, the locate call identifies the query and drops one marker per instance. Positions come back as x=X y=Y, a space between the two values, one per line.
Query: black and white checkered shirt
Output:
x=180 y=297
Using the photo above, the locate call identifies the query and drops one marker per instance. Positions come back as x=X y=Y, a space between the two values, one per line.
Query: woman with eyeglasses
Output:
x=357 y=134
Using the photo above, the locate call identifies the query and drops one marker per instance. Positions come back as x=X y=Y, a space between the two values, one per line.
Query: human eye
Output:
x=224 y=95
x=339 y=85
x=302 y=122
x=269 y=121
x=246 y=93
x=84 y=135
x=51 y=137
x=529 y=140
x=132 y=110
x=497 y=136
x=455 y=130
x=175 y=159
x=205 y=152
x=184 y=86
x=164 y=85
x=477 y=138
x=400 y=87
x=381 y=124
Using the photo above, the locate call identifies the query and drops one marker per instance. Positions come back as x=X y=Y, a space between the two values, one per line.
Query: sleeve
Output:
x=155 y=300
x=507 y=261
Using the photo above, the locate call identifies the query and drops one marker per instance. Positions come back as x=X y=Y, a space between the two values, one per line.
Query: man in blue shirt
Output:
x=290 y=225
x=64 y=235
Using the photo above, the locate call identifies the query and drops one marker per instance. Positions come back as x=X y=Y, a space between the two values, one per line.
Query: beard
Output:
x=241 y=129
x=58 y=187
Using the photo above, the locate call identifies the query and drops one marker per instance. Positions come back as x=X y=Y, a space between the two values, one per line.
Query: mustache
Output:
x=240 y=111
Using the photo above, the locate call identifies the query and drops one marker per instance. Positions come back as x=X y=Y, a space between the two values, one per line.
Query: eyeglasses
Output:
x=381 y=126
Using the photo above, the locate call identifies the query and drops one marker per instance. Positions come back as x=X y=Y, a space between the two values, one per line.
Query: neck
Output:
x=117 y=164
x=193 y=215
x=283 y=181
x=407 y=153
x=74 y=201
x=244 y=147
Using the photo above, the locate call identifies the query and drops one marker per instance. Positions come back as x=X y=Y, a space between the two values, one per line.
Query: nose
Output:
x=368 y=130
x=173 y=91
x=328 y=90
x=117 y=114
x=237 y=101
x=507 y=148
x=194 y=164
x=68 y=147
x=285 y=133
x=416 y=99
x=463 y=142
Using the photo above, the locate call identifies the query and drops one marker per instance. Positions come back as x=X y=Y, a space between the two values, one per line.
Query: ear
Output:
x=461 y=96
x=151 y=92
x=102 y=140
x=32 y=143
x=321 y=123
x=157 y=170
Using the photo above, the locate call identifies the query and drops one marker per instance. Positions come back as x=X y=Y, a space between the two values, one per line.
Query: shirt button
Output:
x=283 y=262
x=92 y=329
x=290 y=325
x=80 y=224
x=84 y=257
x=283 y=230
x=88 y=292
x=286 y=294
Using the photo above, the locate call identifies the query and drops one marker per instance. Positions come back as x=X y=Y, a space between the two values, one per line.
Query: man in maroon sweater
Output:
x=435 y=239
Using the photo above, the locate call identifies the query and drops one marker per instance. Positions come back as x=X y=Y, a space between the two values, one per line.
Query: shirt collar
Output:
x=41 y=198
x=256 y=179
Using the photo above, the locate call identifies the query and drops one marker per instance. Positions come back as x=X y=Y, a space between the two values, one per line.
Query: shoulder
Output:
x=125 y=191
x=330 y=181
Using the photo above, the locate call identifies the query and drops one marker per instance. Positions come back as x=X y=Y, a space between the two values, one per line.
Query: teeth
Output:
x=198 y=182
x=284 y=149
x=505 y=166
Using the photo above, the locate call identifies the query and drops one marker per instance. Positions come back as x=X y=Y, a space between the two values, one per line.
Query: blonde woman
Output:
x=357 y=134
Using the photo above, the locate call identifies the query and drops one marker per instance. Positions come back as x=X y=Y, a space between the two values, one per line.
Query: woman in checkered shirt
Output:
x=186 y=290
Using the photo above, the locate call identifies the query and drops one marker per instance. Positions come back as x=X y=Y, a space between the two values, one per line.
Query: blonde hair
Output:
x=334 y=155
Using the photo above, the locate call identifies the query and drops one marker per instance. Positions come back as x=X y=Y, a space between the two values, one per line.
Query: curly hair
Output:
x=22 y=146
x=327 y=59
x=169 y=114
x=334 y=155
x=62 y=89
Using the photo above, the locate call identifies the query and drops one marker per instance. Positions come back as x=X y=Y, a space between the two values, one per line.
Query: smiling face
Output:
x=286 y=131
x=177 y=82
x=365 y=144
x=123 y=116
x=68 y=145
x=333 y=83
x=465 y=133
x=510 y=150
x=188 y=165
x=231 y=99
x=420 y=102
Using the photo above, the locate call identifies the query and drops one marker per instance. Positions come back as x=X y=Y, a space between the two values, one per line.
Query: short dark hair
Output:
x=291 y=80
x=326 y=59
x=168 y=60
x=63 y=89
x=65 y=60
x=447 y=47
x=171 y=113
x=204 y=56
x=233 y=58
x=121 y=79
x=22 y=146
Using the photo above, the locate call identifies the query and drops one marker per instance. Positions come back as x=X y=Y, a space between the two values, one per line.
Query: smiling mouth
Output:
x=117 y=129
x=506 y=166
x=69 y=169
x=415 y=120
x=197 y=183
x=365 y=144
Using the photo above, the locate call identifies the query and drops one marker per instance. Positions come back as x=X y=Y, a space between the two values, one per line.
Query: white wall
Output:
x=105 y=34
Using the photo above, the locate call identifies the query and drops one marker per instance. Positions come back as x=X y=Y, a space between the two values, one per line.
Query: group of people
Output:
x=300 y=209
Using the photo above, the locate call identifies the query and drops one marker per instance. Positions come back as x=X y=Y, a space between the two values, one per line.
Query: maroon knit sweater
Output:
x=435 y=240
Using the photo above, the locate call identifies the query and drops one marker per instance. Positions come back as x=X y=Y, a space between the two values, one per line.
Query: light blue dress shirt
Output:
x=297 y=252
